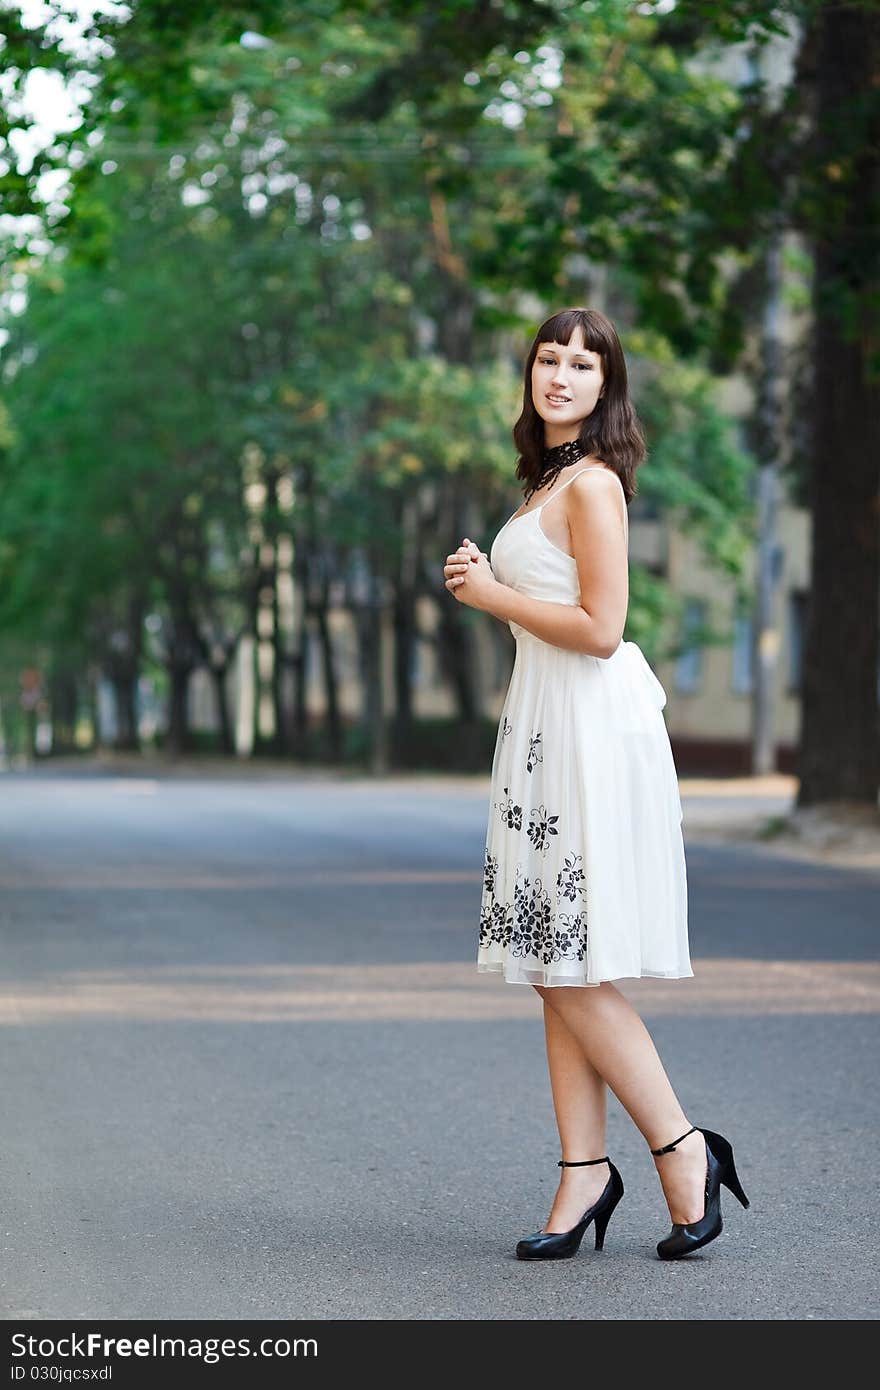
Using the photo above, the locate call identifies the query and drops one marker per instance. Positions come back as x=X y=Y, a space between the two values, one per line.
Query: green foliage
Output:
x=654 y=611
x=126 y=439
x=696 y=469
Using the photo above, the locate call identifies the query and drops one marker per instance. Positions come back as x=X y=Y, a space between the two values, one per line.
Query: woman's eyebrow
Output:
x=574 y=354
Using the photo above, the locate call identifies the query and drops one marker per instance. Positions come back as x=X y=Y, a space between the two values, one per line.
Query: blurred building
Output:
x=710 y=687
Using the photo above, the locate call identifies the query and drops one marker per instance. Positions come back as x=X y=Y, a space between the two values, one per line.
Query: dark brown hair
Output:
x=612 y=431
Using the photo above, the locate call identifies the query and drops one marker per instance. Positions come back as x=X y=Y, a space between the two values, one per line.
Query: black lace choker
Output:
x=554 y=460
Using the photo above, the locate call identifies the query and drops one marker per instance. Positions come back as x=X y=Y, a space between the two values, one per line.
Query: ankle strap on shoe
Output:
x=667 y=1148
x=582 y=1163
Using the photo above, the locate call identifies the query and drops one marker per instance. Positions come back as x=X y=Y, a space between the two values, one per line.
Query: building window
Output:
x=689 y=664
x=742 y=676
x=797 y=626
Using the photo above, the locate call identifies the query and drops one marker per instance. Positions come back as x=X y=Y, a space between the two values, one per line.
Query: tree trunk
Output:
x=30 y=724
x=178 y=710
x=64 y=702
x=369 y=628
x=333 y=721
x=283 y=740
x=121 y=637
x=765 y=650
x=840 y=741
x=280 y=736
x=125 y=692
x=300 y=713
x=300 y=745
x=405 y=638
x=186 y=651
x=92 y=678
x=405 y=627
x=455 y=655
x=224 y=716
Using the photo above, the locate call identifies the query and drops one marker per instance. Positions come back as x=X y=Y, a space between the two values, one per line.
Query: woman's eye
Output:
x=548 y=362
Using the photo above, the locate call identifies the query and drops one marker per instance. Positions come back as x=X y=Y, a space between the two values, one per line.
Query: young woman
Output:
x=585 y=879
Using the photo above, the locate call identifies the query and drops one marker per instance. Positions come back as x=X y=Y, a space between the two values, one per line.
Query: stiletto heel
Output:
x=600 y=1221
x=720 y=1169
x=560 y=1245
x=724 y=1153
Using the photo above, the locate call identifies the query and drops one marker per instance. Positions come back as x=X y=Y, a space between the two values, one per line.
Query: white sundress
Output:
x=584 y=871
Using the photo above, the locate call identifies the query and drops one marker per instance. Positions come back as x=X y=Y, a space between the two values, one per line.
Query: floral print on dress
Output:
x=541 y=826
x=511 y=814
x=532 y=917
x=571 y=880
x=490 y=870
x=496 y=923
x=569 y=938
x=535 y=755
x=531 y=926
x=541 y=924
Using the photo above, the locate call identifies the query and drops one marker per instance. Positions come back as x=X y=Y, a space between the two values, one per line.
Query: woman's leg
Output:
x=619 y=1047
x=579 y=1100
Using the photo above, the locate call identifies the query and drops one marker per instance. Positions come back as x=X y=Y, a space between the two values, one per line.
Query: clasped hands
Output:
x=468 y=575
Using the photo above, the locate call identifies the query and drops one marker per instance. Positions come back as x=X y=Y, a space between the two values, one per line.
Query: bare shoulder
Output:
x=597 y=480
x=596 y=498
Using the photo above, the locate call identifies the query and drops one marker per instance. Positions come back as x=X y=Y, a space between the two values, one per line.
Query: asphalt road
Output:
x=249 y=1070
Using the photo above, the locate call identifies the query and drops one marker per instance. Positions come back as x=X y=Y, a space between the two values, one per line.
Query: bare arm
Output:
x=561 y=624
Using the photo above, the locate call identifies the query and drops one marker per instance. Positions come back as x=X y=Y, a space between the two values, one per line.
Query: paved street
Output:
x=249 y=1069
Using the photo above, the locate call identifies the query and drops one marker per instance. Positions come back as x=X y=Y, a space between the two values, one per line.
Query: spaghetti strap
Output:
x=589 y=467
x=519 y=516
x=564 y=485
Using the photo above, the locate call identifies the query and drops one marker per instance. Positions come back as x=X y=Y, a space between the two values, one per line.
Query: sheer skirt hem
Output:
x=526 y=975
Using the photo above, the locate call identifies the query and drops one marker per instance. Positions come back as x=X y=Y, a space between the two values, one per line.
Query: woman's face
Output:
x=566 y=384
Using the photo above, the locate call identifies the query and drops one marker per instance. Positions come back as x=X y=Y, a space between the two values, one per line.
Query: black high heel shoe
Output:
x=682 y=1239
x=559 y=1245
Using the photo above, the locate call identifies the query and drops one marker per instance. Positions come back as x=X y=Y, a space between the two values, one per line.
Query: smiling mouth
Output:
x=559 y=400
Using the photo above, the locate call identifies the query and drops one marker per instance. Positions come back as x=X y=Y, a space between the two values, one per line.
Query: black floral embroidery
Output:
x=490 y=871
x=569 y=938
x=541 y=827
x=571 y=880
x=511 y=814
x=532 y=917
x=496 y=923
x=535 y=755
x=538 y=924
x=506 y=728
x=529 y=927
